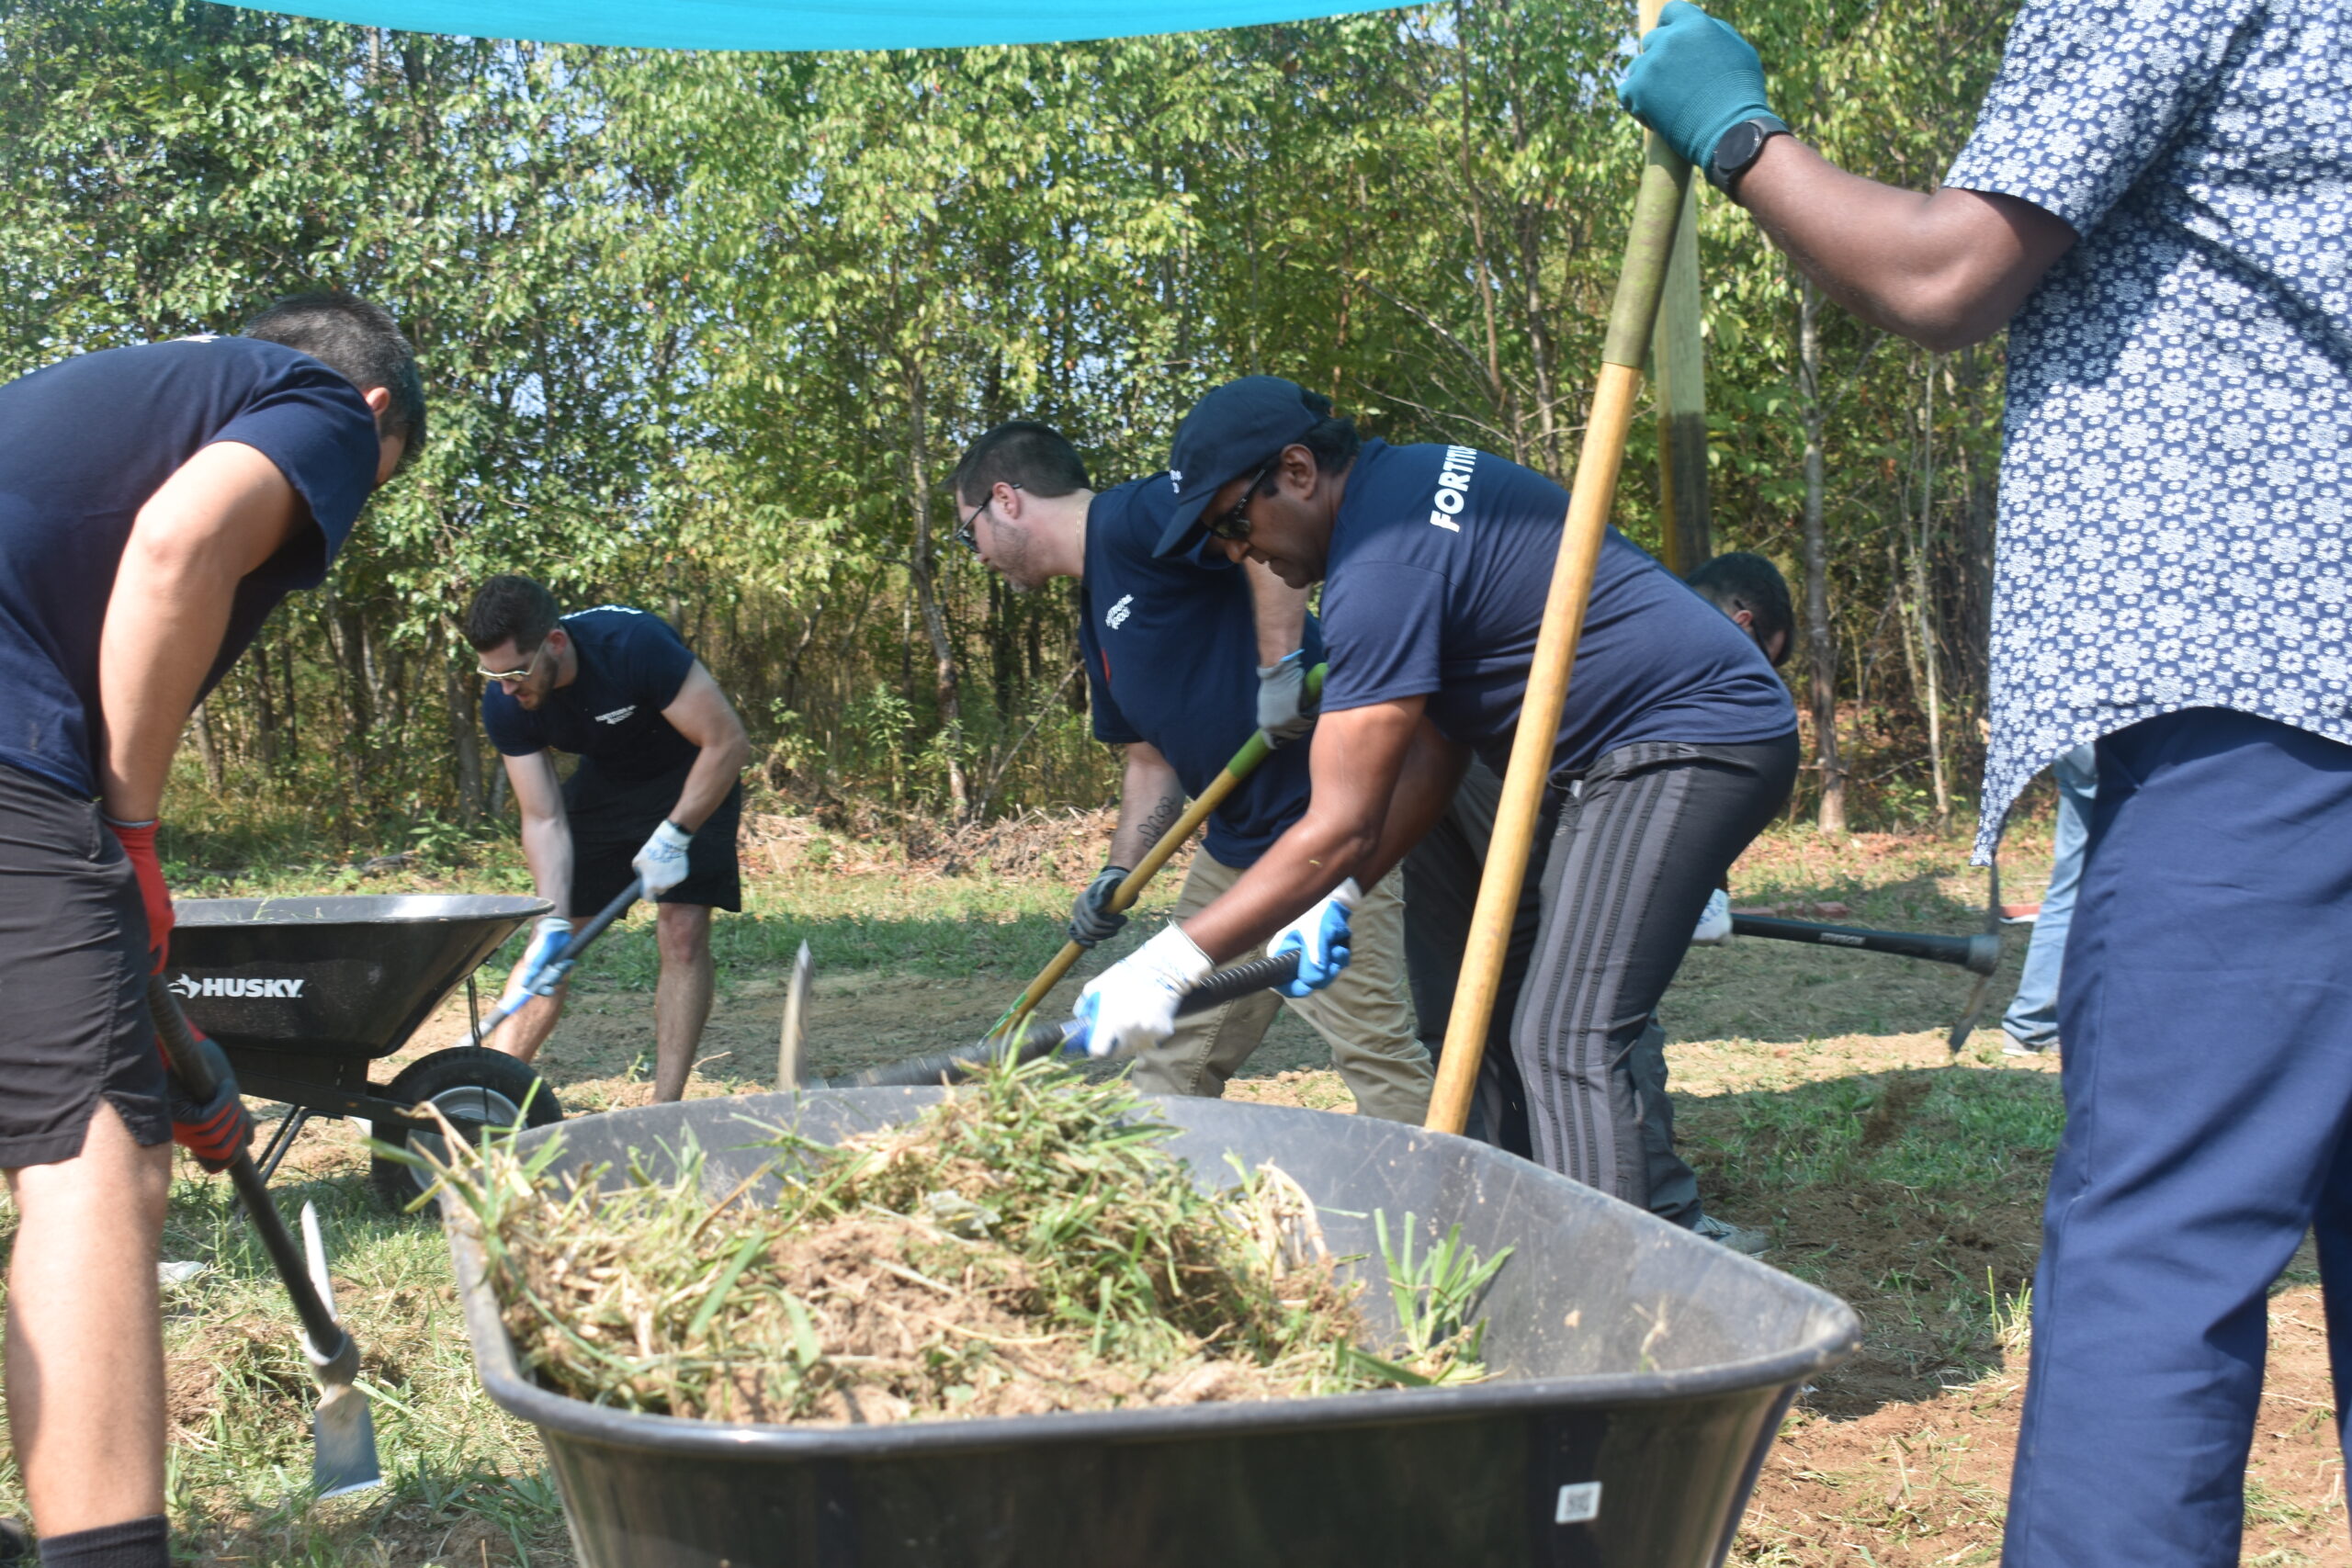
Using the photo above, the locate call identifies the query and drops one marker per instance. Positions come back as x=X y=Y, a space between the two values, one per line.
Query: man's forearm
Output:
x=708 y=782
x=1279 y=612
x=1945 y=270
x=1150 y=800
x=147 y=679
x=1314 y=856
x=547 y=850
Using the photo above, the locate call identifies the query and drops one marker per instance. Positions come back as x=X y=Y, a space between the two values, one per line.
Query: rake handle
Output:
x=571 y=954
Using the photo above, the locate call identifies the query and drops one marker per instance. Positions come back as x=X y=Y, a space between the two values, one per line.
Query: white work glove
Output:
x=1131 y=1006
x=1320 y=935
x=1714 y=922
x=663 y=861
x=1284 y=710
x=538 y=973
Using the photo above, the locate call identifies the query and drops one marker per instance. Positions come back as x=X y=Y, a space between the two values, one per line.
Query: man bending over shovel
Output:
x=658 y=794
x=155 y=503
x=1172 y=651
x=1677 y=746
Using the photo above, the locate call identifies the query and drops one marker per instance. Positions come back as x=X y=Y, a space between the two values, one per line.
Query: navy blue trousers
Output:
x=2206 y=1005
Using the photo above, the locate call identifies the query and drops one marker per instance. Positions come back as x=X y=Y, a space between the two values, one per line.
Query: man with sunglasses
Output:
x=1177 y=656
x=658 y=794
x=156 y=503
x=1677 y=745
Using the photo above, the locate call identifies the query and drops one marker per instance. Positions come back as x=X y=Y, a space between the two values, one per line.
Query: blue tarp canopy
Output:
x=782 y=24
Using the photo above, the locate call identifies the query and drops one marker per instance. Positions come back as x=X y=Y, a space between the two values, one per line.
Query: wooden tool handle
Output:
x=1633 y=317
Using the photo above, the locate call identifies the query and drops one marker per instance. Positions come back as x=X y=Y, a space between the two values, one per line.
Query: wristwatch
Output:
x=1738 y=149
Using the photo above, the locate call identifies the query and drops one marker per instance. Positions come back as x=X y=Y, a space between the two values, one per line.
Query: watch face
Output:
x=1739 y=146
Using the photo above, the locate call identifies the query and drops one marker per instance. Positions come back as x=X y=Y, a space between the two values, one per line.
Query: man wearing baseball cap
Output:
x=1171 y=650
x=1677 y=745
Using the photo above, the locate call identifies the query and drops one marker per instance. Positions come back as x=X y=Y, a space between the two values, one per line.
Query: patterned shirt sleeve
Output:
x=2091 y=94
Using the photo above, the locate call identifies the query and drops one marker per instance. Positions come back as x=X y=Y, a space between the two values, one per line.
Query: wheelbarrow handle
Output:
x=1979 y=954
x=329 y=1343
x=947 y=1066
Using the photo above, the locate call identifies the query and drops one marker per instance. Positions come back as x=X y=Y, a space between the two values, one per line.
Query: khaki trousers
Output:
x=1365 y=1015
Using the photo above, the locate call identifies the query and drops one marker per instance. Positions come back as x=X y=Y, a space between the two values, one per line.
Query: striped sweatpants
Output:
x=1643 y=836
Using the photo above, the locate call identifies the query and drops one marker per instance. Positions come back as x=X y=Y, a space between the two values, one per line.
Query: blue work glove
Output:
x=1285 y=711
x=540 y=971
x=1715 y=920
x=1320 y=936
x=1131 y=1006
x=1694 y=79
x=663 y=861
x=1092 y=918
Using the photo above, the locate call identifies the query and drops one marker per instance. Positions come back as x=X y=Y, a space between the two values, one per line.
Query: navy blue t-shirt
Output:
x=1441 y=559
x=631 y=666
x=1171 y=656
x=84 y=445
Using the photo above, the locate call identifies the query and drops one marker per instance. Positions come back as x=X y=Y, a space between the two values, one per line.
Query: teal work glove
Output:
x=1695 y=79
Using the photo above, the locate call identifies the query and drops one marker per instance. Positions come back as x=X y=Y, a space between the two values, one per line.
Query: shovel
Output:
x=563 y=963
x=1245 y=762
x=947 y=1066
x=341 y=1432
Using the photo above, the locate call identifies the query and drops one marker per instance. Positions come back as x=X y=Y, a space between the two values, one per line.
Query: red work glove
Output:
x=139 y=843
x=218 y=1130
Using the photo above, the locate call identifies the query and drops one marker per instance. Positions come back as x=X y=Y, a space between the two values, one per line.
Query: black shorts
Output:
x=610 y=822
x=74 y=971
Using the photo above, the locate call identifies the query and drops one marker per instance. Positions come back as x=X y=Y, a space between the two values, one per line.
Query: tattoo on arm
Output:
x=1161 y=817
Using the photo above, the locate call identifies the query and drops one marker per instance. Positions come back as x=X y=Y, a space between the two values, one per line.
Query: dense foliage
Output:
x=706 y=333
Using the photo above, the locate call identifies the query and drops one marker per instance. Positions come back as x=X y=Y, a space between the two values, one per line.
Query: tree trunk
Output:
x=1821 y=647
x=466 y=740
x=208 y=750
x=924 y=561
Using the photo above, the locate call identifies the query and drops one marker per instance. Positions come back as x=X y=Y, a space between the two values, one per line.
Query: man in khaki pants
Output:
x=1184 y=659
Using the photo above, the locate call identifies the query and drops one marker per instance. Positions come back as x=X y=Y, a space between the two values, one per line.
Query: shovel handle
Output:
x=570 y=955
x=329 y=1343
x=1245 y=762
x=945 y=1067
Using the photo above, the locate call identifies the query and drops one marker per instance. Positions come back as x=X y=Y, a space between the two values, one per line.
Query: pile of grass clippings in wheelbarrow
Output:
x=1025 y=1245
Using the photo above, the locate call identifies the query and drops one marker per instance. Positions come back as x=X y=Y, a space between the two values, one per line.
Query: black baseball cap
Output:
x=1234 y=430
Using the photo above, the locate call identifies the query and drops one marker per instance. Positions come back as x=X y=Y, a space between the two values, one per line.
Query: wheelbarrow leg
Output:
x=282 y=1140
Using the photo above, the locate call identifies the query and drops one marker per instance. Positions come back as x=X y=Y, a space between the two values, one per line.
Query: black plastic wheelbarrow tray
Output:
x=1640 y=1376
x=304 y=993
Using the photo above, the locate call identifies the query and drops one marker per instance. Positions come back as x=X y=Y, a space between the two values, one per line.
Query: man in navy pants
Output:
x=2156 y=200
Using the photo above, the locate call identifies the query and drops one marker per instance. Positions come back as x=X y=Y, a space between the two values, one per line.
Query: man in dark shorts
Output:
x=1677 y=745
x=155 y=503
x=1172 y=651
x=657 y=794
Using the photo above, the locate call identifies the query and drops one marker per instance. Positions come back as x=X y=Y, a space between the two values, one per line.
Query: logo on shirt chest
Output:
x=616 y=715
x=1452 y=488
x=1117 y=615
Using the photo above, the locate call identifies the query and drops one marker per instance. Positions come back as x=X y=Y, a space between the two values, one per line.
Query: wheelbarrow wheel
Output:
x=474 y=1088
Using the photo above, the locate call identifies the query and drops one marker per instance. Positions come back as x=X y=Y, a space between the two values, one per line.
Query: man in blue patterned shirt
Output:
x=2155 y=201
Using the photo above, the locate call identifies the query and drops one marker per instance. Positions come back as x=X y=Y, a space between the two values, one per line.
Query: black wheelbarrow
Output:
x=304 y=993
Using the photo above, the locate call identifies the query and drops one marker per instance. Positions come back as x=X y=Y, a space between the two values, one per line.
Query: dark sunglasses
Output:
x=963 y=534
x=1235 y=524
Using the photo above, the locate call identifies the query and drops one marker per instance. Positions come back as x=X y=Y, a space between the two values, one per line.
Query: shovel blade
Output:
x=342 y=1437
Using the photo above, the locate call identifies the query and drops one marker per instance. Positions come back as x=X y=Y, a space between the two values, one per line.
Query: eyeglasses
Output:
x=963 y=534
x=514 y=676
x=1235 y=524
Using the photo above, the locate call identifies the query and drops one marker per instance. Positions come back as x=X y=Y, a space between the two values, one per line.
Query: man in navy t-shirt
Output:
x=658 y=794
x=1676 y=746
x=155 y=503
x=1174 y=652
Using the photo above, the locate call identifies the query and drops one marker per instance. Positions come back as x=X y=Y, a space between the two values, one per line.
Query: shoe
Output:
x=1739 y=1239
x=1714 y=922
x=2013 y=1047
x=16 y=1542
